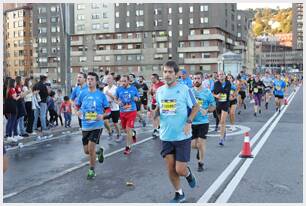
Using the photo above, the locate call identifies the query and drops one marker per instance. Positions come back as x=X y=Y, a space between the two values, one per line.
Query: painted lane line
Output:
x=230 y=188
x=230 y=168
x=68 y=171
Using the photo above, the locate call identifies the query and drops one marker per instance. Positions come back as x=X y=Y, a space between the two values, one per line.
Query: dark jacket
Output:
x=43 y=91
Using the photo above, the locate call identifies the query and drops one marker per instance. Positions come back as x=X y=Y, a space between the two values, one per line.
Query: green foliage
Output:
x=263 y=16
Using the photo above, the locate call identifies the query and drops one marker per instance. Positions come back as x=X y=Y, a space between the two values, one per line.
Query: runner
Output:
x=156 y=83
x=81 y=86
x=173 y=99
x=127 y=96
x=92 y=107
x=221 y=91
x=143 y=92
x=251 y=88
x=279 y=91
x=258 y=87
x=200 y=124
x=185 y=79
x=241 y=87
x=233 y=99
x=110 y=92
x=268 y=84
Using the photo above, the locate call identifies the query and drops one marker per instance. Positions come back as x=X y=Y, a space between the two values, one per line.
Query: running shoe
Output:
x=259 y=111
x=244 y=105
x=239 y=112
x=191 y=179
x=254 y=114
x=25 y=135
x=178 y=198
x=200 y=167
x=221 y=142
x=101 y=155
x=266 y=105
x=118 y=138
x=198 y=155
x=127 y=150
x=155 y=134
x=91 y=174
x=134 y=136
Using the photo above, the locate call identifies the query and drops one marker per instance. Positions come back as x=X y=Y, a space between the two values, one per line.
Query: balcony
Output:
x=206 y=37
x=113 y=52
x=161 y=38
x=201 y=61
x=77 y=43
x=199 y=49
x=239 y=47
x=161 y=50
x=76 y=53
x=53 y=64
x=118 y=41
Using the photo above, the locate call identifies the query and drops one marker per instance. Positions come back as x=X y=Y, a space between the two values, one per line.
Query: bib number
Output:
x=255 y=90
x=91 y=116
x=200 y=102
x=168 y=107
x=278 y=88
x=223 y=97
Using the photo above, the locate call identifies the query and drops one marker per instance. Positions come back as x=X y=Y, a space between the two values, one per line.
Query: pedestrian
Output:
x=126 y=97
x=29 y=118
x=58 y=101
x=200 y=124
x=66 y=108
x=51 y=109
x=279 y=92
x=258 y=88
x=173 y=101
x=92 y=107
x=233 y=99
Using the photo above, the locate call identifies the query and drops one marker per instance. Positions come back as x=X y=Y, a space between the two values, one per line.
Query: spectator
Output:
x=29 y=118
x=51 y=109
x=58 y=101
x=66 y=109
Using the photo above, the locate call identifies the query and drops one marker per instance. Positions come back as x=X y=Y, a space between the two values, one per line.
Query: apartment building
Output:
x=297 y=26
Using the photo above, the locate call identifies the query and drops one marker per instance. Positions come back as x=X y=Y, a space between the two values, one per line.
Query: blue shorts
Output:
x=180 y=149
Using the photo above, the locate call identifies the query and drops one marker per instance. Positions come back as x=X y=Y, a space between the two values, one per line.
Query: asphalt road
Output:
x=55 y=171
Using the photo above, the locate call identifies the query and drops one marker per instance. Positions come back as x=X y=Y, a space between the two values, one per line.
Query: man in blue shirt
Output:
x=173 y=101
x=279 y=92
x=200 y=124
x=185 y=79
x=81 y=86
x=92 y=107
x=127 y=96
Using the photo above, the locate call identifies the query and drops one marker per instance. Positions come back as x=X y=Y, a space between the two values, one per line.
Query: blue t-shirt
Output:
x=187 y=82
x=173 y=103
x=204 y=99
x=92 y=104
x=77 y=91
x=212 y=83
x=279 y=87
x=126 y=96
x=233 y=88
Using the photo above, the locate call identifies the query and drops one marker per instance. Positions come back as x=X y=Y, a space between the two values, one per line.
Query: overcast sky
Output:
x=263 y=5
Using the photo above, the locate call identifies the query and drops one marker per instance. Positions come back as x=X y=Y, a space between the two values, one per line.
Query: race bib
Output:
x=223 y=97
x=232 y=92
x=278 y=88
x=91 y=116
x=255 y=90
x=200 y=102
x=168 y=107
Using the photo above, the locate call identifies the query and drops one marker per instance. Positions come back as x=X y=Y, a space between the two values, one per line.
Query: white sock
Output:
x=180 y=191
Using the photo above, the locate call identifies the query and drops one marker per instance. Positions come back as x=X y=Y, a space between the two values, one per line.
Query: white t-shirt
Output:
x=28 y=97
x=112 y=104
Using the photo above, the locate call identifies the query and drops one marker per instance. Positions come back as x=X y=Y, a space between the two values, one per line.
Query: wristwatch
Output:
x=189 y=121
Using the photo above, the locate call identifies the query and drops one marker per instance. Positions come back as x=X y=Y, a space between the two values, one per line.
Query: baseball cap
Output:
x=184 y=71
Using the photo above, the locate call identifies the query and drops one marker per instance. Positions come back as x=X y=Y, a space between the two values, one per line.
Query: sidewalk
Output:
x=49 y=133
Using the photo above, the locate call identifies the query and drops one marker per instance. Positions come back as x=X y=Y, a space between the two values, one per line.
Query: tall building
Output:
x=297 y=26
x=48 y=31
x=18 y=52
x=94 y=18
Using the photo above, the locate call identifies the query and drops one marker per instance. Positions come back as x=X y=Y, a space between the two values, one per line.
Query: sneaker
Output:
x=101 y=155
x=221 y=143
x=18 y=137
x=266 y=105
x=279 y=110
x=134 y=136
x=200 y=167
x=216 y=128
x=239 y=112
x=191 y=179
x=127 y=150
x=118 y=138
x=178 y=198
x=259 y=111
x=254 y=114
x=91 y=174
x=33 y=133
x=25 y=135
x=144 y=123
x=244 y=105
x=12 y=139
x=198 y=155
x=155 y=134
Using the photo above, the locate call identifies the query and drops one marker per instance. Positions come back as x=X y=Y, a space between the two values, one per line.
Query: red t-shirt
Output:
x=66 y=107
x=11 y=92
x=18 y=89
x=154 y=88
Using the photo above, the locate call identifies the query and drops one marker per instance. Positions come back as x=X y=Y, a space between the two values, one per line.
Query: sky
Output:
x=263 y=5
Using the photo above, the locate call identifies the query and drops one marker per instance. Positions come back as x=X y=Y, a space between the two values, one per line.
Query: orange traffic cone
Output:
x=246 y=148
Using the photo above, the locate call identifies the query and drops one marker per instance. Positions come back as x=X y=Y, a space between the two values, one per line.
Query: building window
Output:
x=42 y=30
x=116 y=4
x=127 y=24
x=94 y=6
x=97 y=58
x=119 y=46
x=20 y=23
x=117 y=25
x=128 y=13
x=130 y=46
x=53 y=29
x=205 y=55
x=83 y=59
x=191 y=21
x=104 y=15
x=169 y=22
x=170 y=33
x=129 y=57
x=117 y=14
x=238 y=17
x=81 y=27
x=239 y=34
x=139 y=12
x=206 y=8
x=192 y=32
x=139 y=24
x=158 y=11
x=118 y=58
x=180 y=9
x=95 y=16
x=180 y=33
x=205 y=31
x=191 y=9
x=95 y=26
x=180 y=21
x=53 y=19
x=107 y=58
x=80 y=6
x=169 y=10
x=104 y=5
x=53 y=9
x=42 y=10
x=105 y=26
x=205 y=19
x=81 y=17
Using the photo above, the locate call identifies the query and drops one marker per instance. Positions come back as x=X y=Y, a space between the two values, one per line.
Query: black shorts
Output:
x=233 y=102
x=199 y=131
x=242 y=94
x=144 y=100
x=224 y=106
x=250 y=91
x=153 y=106
x=180 y=149
x=93 y=136
x=279 y=97
x=114 y=115
x=138 y=106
